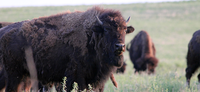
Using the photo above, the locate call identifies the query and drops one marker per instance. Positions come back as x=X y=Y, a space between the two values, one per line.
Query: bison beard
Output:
x=78 y=45
x=122 y=69
x=193 y=57
x=142 y=53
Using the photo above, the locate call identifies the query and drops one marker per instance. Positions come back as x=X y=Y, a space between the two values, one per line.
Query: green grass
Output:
x=169 y=24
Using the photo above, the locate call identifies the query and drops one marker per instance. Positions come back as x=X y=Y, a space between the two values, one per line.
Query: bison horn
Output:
x=127 y=21
x=100 y=22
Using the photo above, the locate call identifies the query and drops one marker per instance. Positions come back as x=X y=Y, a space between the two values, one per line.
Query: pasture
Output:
x=170 y=25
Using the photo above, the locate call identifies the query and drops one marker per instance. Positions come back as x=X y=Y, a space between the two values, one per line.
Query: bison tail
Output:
x=113 y=80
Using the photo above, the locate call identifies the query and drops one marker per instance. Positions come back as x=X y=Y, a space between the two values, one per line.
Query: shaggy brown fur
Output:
x=2 y=75
x=74 y=45
x=25 y=85
x=142 y=53
x=193 y=56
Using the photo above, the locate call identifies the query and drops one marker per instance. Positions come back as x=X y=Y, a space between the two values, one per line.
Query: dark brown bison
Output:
x=193 y=56
x=142 y=53
x=122 y=69
x=86 y=47
x=2 y=24
x=25 y=85
x=26 y=81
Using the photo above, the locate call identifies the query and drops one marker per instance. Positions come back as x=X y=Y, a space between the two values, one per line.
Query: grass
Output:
x=170 y=25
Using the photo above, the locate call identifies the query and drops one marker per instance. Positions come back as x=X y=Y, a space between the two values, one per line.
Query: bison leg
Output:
x=69 y=84
x=13 y=83
x=199 y=77
x=189 y=71
x=101 y=89
x=136 y=72
x=58 y=87
x=2 y=80
x=81 y=83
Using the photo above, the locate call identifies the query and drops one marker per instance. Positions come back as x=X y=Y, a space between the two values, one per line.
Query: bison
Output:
x=193 y=56
x=26 y=85
x=142 y=53
x=2 y=24
x=86 y=47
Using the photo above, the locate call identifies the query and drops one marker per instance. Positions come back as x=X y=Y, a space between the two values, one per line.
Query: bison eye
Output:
x=106 y=30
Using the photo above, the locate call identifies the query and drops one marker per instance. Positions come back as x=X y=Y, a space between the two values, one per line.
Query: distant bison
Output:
x=122 y=69
x=2 y=24
x=142 y=53
x=193 y=56
x=86 y=47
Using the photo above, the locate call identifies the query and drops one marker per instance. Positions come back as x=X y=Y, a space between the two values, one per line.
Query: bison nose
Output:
x=120 y=48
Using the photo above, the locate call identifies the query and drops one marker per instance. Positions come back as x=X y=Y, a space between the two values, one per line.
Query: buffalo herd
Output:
x=85 y=47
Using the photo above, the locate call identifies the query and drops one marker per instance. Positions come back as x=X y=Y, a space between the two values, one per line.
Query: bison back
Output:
x=194 y=48
x=136 y=47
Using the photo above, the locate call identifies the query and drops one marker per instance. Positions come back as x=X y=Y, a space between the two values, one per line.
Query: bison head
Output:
x=111 y=27
x=151 y=64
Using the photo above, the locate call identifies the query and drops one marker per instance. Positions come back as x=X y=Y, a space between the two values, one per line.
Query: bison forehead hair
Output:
x=113 y=18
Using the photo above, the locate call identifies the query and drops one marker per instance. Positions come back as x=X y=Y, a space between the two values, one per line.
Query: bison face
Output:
x=151 y=64
x=112 y=31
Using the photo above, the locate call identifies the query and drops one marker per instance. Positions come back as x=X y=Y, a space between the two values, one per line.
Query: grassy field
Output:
x=170 y=25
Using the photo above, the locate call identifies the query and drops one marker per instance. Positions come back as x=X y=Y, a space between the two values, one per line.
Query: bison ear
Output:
x=130 y=29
